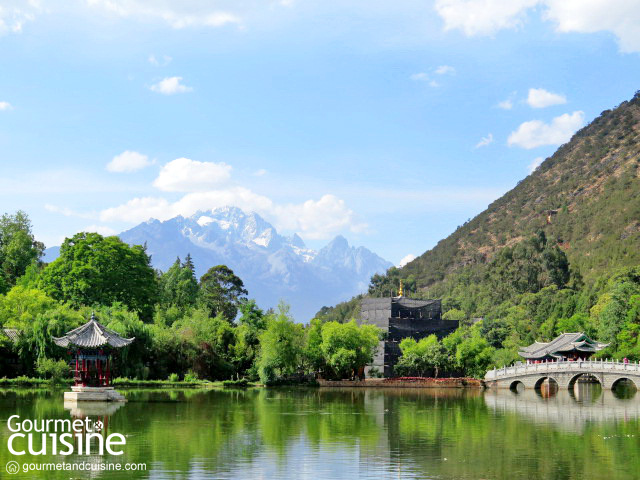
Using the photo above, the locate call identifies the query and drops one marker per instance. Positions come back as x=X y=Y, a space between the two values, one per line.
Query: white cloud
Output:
x=67 y=212
x=101 y=229
x=186 y=175
x=313 y=219
x=541 y=98
x=486 y=17
x=424 y=77
x=535 y=164
x=406 y=259
x=536 y=133
x=506 y=104
x=317 y=219
x=186 y=13
x=5 y=106
x=445 y=70
x=260 y=173
x=161 y=61
x=428 y=78
x=484 y=141
x=129 y=161
x=170 y=86
x=420 y=77
x=14 y=14
x=620 y=17
x=138 y=210
x=482 y=17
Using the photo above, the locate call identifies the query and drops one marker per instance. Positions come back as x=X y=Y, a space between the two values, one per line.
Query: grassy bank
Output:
x=34 y=382
x=124 y=382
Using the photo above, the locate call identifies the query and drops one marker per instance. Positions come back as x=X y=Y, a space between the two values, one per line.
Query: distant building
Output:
x=399 y=318
x=568 y=346
x=11 y=333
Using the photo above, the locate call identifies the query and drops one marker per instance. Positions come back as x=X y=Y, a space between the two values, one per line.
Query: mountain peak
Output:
x=338 y=242
x=272 y=266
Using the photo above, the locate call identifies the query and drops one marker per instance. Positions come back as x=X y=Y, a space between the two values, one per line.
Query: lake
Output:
x=347 y=434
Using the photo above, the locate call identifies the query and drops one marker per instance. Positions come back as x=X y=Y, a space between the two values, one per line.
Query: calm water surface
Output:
x=351 y=434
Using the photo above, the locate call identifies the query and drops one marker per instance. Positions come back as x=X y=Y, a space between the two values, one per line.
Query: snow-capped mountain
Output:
x=272 y=266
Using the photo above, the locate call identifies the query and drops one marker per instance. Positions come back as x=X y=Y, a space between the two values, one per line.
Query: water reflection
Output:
x=358 y=433
x=624 y=389
x=547 y=388
x=82 y=410
x=570 y=410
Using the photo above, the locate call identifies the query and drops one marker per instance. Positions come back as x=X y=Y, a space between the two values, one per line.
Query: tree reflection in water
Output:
x=363 y=433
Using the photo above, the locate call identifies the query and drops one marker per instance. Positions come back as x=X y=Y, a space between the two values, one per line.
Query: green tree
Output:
x=178 y=286
x=93 y=269
x=251 y=324
x=347 y=347
x=133 y=360
x=578 y=322
x=455 y=314
x=18 y=248
x=629 y=337
x=474 y=355
x=221 y=291
x=313 y=353
x=209 y=344
x=609 y=314
x=20 y=306
x=420 y=357
x=281 y=347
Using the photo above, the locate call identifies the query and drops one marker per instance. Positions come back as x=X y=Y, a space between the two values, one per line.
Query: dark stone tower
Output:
x=399 y=318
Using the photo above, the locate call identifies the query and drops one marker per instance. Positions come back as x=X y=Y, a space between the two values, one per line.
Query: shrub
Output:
x=235 y=383
x=174 y=377
x=52 y=369
x=190 y=377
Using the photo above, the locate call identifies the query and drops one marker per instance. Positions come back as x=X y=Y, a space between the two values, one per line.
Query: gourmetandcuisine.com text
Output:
x=61 y=437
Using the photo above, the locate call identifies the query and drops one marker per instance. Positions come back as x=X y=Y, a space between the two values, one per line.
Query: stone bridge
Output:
x=564 y=373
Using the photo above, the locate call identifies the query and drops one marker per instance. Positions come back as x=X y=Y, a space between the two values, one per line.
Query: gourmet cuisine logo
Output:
x=61 y=437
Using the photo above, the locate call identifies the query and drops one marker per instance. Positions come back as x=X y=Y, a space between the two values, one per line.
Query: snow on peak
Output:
x=203 y=221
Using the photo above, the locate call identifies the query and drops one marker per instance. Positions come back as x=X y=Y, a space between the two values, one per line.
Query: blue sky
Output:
x=388 y=122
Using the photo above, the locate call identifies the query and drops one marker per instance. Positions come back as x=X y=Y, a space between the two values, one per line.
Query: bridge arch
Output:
x=634 y=381
x=575 y=378
x=539 y=382
x=517 y=386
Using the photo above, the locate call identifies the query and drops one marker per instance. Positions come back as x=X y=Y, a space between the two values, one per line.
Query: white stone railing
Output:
x=563 y=366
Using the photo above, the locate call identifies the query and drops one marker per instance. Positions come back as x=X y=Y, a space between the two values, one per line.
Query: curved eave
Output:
x=537 y=356
x=65 y=342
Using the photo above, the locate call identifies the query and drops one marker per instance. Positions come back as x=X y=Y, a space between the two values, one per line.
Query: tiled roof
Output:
x=12 y=333
x=92 y=335
x=563 y=343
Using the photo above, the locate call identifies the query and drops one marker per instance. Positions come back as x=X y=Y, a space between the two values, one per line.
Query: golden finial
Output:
x=400 y=292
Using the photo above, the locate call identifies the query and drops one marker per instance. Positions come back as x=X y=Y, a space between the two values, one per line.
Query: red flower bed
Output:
x=429 y=379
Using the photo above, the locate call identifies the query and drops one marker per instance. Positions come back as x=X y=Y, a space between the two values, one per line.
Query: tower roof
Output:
x=92 y=335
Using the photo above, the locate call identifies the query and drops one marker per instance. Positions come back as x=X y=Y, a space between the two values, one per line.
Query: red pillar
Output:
x=108 y=373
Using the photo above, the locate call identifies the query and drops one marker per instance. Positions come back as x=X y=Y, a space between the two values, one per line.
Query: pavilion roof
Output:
x=12 y=334
x=92 y=335
x=567 y=342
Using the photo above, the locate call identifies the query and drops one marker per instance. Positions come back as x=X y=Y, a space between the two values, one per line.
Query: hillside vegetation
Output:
x=559 y=252
x=592 y=187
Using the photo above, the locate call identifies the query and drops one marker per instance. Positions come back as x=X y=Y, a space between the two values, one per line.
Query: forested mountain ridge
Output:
x=560 y=252
x=586 y=197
